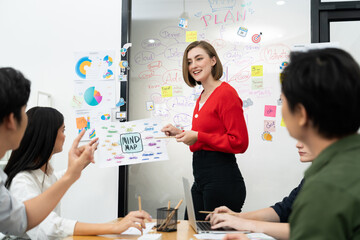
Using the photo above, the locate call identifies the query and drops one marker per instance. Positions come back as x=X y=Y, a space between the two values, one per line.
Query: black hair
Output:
x=38 y=142
x=327 y=83
x=14 y=92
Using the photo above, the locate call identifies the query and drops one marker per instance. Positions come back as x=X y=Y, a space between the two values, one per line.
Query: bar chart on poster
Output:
x=253 y=40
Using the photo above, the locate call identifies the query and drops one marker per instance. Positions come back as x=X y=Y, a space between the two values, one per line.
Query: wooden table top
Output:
x=184 y=232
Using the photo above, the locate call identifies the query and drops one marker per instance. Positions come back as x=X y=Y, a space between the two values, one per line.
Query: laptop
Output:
x=201 y=226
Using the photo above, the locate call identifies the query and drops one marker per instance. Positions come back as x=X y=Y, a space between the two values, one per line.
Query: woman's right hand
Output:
x=222 y=209
x=133 y=219
x=170 y=130
x=80 y=157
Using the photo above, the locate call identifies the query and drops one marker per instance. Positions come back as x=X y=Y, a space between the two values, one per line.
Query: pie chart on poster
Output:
x=92 y=96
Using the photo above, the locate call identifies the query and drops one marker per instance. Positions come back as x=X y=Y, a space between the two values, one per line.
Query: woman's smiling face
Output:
x=200 y=64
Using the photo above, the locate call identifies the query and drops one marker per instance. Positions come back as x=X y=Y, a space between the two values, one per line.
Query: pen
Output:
x=139 y=200
x=164 y=137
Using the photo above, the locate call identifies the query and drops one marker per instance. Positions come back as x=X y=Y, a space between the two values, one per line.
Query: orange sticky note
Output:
x=81 y=123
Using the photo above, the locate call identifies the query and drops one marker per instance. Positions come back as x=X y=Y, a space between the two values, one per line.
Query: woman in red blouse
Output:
x=218 y=132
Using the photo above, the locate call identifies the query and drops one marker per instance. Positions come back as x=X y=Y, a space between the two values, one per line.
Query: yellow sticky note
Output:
x=166 y=91
x=257 y=71
x=191 y=36
x=282 y=123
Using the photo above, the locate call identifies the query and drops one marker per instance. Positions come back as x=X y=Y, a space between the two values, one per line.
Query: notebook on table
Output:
x=201 y=226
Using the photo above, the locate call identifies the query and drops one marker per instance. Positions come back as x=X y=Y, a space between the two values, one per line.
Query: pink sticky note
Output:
x=270 y=111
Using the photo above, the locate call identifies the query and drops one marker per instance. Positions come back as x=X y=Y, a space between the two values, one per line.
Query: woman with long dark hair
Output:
x=30 y=173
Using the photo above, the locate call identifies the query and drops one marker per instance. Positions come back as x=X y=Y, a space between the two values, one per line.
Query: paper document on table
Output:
x=259 y=236
x=216 y=236
x=135 y=231
x=155 y=236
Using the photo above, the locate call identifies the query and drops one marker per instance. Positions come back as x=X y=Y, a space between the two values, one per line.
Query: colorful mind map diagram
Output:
x=125 y=143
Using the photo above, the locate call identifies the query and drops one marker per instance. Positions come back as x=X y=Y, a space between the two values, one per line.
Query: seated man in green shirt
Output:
x=321 y=108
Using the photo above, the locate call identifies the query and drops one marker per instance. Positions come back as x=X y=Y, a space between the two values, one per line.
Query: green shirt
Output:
x=328 y=206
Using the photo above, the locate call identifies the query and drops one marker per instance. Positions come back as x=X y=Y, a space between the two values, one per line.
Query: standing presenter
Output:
x=218 y=132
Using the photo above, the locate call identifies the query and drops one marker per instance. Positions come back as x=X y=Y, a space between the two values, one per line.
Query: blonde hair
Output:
x=216 y=71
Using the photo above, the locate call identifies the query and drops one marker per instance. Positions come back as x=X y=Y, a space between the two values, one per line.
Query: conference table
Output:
x=184 y=232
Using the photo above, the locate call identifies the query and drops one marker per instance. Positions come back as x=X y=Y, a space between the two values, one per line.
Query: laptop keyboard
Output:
x=204 y=226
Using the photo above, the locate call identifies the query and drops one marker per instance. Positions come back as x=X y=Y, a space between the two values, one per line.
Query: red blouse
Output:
x=220 y=122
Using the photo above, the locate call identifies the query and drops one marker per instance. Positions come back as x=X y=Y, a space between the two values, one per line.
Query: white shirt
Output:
x=29 y=184
x=13 y=218
x=200 y=105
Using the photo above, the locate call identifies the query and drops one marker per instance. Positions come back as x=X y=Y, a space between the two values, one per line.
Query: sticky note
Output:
x=269 y=125
x=257 y=71
x=270 y=111
x=81 y=123
x=282 y=123
x=257 y=83
x=166 y=91
x=266 y=136
x=191 y=36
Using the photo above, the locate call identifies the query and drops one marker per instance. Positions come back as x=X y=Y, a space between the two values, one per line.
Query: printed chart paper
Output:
x=94 y=65
x=95 y=95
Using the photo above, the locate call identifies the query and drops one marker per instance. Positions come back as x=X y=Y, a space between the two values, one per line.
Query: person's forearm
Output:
x=87 y=229
x=265 y=214
x=38 y=208
x=279 y=231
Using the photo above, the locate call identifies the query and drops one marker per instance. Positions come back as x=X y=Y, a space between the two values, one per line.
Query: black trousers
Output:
x=218 y=182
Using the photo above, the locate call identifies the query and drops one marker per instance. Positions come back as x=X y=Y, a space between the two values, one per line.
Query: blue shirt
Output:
x=284 y=208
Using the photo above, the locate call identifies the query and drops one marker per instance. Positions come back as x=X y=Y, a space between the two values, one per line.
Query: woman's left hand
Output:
x=187 y=137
